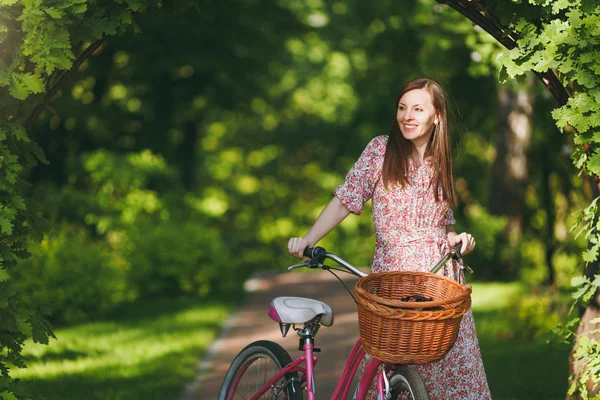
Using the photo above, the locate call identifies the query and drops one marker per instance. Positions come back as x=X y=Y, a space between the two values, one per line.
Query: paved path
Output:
x=251 y=323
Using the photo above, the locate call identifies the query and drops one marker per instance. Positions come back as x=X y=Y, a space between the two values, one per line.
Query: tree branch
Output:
x=60 y=82
x=487 y=24
x=473 y=11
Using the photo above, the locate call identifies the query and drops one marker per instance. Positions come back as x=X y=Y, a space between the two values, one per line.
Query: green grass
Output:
x=147 y=351
x=520 y=369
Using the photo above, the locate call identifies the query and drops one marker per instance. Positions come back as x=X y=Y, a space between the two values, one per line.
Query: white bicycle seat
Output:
x=299 y=310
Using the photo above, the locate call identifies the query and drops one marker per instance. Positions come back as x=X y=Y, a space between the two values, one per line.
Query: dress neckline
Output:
x=426 y=162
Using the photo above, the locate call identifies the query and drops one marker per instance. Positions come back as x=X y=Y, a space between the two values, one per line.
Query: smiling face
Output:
x=416 y=116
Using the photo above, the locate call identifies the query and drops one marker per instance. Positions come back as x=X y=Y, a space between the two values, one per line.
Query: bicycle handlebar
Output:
x=315 y=253
x=453 y=253
x=319 y=254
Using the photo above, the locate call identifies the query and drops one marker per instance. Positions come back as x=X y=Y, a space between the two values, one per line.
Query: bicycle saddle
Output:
x=299 y=310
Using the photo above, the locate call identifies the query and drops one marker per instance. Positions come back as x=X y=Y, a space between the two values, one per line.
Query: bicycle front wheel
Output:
x=406 y=384
x=253 y=367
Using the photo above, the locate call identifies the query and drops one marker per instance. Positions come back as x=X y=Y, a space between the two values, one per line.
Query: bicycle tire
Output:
x=245 y=376
x=406 y=383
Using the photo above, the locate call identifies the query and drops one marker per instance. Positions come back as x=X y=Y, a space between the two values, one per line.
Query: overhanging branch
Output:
x=481 y=17
x=60 y=82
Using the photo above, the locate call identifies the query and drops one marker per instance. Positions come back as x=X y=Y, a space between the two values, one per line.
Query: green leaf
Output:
x=134 y=5
x=6 y=226
x=4 y=276
x=18 y=90
x=594 y=163
x=42 y=330
x=579 y=280
x=79 y=8
x=18 y=202
x=558 y=5
x=591 y=254
x=23 y=325
x=6 y=395
x=4 y=76
x=594 y=121
x=579 y=158
x=53 y=12
x=32 y=82
x=573 y=387
x=502 y=74
x=566 y=66
x=18 y=132
x=581 y=293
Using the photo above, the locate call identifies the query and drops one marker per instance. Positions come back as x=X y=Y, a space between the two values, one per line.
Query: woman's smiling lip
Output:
x=410 y=126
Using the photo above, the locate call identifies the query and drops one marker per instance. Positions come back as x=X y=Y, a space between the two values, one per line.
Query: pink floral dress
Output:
x=410 y=232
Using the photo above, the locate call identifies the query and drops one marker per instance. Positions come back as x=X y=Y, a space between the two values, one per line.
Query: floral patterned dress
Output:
x=410 y=232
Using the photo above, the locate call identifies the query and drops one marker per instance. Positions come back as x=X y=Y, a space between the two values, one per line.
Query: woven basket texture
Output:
x=409 y=332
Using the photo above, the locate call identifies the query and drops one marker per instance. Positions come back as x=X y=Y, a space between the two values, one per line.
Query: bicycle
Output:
x=264 y=368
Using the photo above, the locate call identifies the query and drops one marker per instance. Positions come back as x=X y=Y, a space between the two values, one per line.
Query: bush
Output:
x=536 y=314
x=485 y=228
x=177 y=258
x=69 y=277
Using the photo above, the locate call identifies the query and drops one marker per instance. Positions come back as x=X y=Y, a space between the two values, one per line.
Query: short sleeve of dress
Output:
x=360 y=182
x=449 y=218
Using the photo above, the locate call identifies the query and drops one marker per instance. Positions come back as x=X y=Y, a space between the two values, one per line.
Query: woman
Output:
x=408 y=176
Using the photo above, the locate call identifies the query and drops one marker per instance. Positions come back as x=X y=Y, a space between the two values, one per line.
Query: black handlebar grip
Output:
x=315 y=253
x=457 y=248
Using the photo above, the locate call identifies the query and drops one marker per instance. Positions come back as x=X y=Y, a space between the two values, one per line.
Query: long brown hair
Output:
x=399 y=149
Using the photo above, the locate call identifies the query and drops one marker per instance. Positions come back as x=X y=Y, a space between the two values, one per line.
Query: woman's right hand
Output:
x=296 y=246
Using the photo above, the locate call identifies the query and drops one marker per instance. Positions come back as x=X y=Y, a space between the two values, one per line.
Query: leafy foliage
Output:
x=40 y=41
x=70 y=278
x=564 y=36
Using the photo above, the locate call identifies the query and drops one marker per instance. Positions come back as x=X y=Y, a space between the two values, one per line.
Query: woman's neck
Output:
x=418 y=154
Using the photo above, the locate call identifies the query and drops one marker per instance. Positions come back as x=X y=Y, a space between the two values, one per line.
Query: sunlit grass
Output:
x=492 y=301
x=492 y=296
x=150 y=351
x=520 y=369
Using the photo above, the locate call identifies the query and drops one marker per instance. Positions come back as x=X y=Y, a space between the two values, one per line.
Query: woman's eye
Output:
x=419 y=109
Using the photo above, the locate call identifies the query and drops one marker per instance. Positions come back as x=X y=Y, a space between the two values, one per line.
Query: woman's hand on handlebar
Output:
x=296 y=246
x=466 y=239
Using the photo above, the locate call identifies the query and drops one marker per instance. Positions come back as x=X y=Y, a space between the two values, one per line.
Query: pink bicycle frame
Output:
x=343 y=385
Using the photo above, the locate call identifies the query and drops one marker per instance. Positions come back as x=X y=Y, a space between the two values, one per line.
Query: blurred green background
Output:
x=183 y=157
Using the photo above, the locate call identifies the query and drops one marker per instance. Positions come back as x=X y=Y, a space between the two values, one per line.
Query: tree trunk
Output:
x=576 y=368
x=587 y=315
x=510 y=174
x=550 y=208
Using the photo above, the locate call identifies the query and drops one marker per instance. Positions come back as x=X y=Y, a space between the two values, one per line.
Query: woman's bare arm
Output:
x=331 y=216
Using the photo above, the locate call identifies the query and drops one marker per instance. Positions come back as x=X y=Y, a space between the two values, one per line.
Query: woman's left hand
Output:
x=467 y=240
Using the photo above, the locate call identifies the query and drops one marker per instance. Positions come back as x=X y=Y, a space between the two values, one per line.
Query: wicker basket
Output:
x=401 y=332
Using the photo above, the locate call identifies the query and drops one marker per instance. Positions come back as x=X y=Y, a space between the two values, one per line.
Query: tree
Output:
x=510 y=172
x=41 y=45
x=562 y=36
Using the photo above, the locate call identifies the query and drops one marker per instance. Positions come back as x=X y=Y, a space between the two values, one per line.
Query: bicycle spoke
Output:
x=254 y=375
